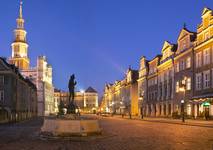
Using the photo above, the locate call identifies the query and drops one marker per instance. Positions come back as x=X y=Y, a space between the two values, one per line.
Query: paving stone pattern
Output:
x=118 y=134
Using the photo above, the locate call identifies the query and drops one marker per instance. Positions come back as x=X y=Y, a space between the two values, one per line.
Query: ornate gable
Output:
x=206 y=11
x=205 y=29
x=166 y=50
x=183 y=33
x=165 y=46
x=185 y=39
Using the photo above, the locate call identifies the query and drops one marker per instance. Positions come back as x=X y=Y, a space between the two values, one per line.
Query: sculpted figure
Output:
x=72 y=84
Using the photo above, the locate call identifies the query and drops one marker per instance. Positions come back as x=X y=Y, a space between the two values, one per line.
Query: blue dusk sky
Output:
x=97 y=39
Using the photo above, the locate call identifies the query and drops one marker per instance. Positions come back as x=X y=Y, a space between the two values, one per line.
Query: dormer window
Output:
x=188 y=62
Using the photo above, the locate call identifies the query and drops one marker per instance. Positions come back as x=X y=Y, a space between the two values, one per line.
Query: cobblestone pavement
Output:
x=118 y=134
x=192 y=122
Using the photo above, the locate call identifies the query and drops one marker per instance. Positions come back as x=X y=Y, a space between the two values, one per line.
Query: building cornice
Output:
x=204 y=43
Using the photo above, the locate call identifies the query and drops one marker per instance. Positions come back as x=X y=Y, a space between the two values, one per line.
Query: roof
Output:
x=15 y=70
x=90 y=90
x=193 y=34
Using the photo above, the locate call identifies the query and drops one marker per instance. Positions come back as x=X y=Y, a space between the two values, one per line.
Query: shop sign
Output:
x=206 y=104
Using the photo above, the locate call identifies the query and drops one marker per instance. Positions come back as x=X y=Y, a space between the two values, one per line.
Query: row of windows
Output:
x=152 y=95
x=152 y=70
x=203 y=58
x=152 y=81
x=203 y=78
x=188 y=84
x=183 y=64
x=165 y=76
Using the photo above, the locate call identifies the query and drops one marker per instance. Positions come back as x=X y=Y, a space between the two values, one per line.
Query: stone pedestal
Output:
x=66 y=127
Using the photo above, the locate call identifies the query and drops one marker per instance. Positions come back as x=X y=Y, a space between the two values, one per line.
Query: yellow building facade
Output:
x=122 y=96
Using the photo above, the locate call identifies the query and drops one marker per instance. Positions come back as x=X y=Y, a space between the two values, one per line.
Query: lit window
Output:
x=188 y=84
x=1 y=96
x=188 y=62
x=206 y=57
x=206 y=79
x=177 y=86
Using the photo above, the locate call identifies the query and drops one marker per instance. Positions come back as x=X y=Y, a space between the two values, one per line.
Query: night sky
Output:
x=97 y=39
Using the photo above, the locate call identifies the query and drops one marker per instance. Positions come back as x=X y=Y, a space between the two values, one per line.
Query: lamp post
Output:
x=113 y=108
x=121 y=104
x=182 y=110
x=141 y=111
x=183 y=89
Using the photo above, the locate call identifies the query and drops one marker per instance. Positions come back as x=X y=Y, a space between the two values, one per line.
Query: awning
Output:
x=203 y=96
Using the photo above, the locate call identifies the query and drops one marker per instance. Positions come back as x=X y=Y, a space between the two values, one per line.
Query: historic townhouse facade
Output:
x=178 y=81
x=184 y=70
x=152 y=87
x=142 y=84
x=203 y=65
x=18 y=95
x=184 y=73
x=166 y=79
x=122 y=96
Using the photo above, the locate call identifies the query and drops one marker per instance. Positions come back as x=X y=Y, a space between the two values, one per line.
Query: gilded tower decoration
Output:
x=19 y=46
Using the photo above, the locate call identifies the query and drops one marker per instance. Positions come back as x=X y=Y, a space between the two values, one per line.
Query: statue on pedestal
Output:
x=71 y=106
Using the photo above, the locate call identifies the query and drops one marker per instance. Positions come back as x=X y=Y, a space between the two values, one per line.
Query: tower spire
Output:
x=20 y=20
x=20 y=10
x=19 y=45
